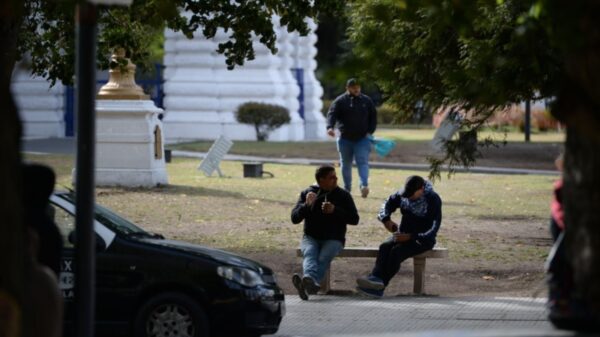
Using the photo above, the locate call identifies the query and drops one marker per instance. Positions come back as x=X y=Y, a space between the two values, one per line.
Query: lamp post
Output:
x=85 y=257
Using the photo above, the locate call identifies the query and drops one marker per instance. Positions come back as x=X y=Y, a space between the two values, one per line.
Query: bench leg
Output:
x=419 y=275
x=325 y=282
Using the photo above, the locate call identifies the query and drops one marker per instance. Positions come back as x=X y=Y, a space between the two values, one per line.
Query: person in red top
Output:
x=557 y=222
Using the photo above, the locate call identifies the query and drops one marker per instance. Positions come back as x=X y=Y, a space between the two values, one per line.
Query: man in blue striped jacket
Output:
x=421 y=209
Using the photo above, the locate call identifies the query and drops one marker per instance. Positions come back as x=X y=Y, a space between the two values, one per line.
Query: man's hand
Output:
x=327 y=207
x=331 y=132
x=401 y=237
x=310 y=198
x=391 y=226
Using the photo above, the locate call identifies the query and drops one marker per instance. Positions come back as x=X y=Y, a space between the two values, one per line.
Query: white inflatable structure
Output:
x=201 y=94
x=41 y=108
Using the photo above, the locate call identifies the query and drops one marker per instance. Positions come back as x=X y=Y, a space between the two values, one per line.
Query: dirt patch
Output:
x=444 y=277
x=487 y=258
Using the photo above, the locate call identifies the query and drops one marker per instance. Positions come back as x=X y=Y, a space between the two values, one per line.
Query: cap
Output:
x=352 y=82
x=413 y=183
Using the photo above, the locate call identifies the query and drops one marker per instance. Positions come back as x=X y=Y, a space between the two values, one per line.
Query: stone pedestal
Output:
x=129 y=144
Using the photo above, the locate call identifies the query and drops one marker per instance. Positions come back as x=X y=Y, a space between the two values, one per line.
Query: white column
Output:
x=41 y=107
x=201 y=94
x=295 y=129
x=258 y=80
x=314 y=122
x=191 y=93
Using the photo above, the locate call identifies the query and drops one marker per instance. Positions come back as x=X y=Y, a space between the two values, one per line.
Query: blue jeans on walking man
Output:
x=318 y=255
x=359 y=151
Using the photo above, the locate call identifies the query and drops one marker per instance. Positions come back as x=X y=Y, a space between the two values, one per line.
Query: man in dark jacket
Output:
x=356 y=118
x=326 y=210
x=421 y=210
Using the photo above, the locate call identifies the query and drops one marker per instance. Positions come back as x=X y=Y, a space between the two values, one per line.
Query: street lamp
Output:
x=85 y=254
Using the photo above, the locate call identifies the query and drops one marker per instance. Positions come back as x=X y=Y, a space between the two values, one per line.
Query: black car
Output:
x=149 y=286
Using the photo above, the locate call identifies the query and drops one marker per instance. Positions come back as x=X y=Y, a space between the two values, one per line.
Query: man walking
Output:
x=421 y=210
x=356 y=118
x=326 y=210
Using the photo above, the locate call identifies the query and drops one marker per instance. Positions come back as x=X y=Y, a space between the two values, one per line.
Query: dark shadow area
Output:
x=176 y=189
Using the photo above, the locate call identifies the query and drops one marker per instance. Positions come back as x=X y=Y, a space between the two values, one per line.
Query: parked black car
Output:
x=149 y=286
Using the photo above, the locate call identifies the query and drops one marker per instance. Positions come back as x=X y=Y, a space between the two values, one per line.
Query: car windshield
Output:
x=112 y=220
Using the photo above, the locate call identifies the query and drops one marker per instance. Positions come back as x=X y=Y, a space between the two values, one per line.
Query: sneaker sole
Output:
x=366 y=294
x=369 y=285
x=297 y=282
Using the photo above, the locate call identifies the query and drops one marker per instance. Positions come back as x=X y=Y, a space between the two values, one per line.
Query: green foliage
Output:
x=387 y=114
x=264 y=117
x=48 y=30
x=478 y=56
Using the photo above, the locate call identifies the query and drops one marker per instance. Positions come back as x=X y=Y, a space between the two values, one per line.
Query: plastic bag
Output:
x=383 y=146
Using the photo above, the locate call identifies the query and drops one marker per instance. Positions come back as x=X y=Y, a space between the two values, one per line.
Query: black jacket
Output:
x=326 y=226
x=424 y=228
x=355 y=116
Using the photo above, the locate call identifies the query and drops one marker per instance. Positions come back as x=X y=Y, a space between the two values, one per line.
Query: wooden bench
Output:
x=419 y=262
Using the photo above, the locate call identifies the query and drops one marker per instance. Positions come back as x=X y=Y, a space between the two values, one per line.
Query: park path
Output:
x=416 y=316
x=67 y=146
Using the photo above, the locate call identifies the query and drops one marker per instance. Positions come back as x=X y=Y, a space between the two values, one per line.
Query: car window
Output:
x=115 y=222
x=111 y=220
x=65 y=222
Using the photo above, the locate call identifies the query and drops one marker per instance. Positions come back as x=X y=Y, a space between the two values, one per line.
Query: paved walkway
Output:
x=67 y=146
x=372 y=164
x=416 y=316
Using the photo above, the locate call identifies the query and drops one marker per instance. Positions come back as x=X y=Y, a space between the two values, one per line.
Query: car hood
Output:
x=221 y=256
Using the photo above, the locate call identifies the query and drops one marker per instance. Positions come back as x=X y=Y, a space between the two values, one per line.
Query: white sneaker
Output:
x=364 y=191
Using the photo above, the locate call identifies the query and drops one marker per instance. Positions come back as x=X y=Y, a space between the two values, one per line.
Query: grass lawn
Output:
x=494 y=218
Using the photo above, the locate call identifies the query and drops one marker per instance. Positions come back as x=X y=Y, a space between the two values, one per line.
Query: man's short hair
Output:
x=322 y=171
x=413 y=183
x=352 y=82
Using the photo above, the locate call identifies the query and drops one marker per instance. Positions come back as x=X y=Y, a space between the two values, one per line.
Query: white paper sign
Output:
x=215 y=154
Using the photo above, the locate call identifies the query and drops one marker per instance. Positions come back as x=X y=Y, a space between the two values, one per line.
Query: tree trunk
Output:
x=578 y=105
x=581 y=201
x=12 y=237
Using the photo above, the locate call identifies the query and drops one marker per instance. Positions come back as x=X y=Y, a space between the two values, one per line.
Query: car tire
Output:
x=171 y=314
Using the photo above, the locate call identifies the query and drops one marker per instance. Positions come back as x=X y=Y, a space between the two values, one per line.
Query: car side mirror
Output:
x=71 y=237
x=100 y=244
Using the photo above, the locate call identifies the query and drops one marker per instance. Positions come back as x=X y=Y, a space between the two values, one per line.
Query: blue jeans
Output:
x=318 y=255
x=358 y=150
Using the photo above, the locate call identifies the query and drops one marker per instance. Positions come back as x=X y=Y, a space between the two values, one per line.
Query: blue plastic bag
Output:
x=383 y=146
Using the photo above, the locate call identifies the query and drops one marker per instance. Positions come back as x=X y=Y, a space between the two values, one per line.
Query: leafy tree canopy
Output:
x=48 y=32
x=479 y=55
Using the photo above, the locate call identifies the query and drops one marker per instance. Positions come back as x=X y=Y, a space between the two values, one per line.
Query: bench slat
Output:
x=436 y=252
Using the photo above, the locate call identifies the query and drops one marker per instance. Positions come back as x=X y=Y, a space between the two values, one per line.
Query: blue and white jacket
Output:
x=421 y=218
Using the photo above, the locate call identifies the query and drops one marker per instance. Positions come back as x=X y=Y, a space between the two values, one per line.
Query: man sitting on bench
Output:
x=326 y=210
x=421 y=210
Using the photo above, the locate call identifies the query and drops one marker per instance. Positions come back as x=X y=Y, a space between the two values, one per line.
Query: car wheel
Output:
x=171 y=314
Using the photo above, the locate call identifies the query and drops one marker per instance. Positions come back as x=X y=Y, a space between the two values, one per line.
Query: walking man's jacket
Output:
x=355 y=116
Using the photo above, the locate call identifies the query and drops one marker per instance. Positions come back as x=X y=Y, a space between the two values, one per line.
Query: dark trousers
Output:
x=392 y=254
